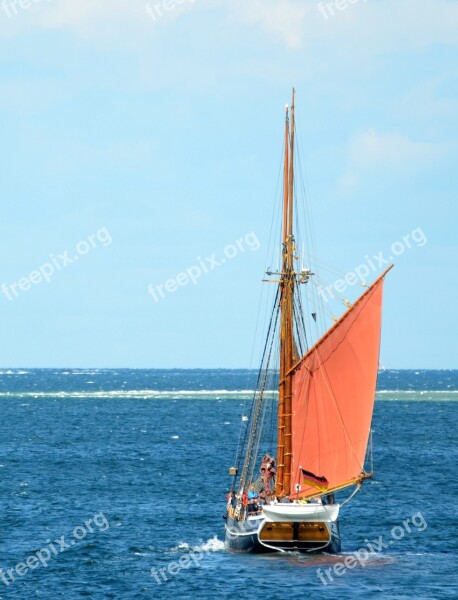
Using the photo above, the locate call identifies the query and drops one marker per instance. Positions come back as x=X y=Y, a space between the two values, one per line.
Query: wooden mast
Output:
x=286 y=329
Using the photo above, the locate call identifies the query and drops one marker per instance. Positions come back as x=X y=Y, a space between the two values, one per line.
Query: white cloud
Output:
x=372 y=26
x=371 y=152
x=284 y=20
x=371 y=148
x=270 y=40
x=369 y=26
x=432 y=100
x=92 y=20
x=68 y=13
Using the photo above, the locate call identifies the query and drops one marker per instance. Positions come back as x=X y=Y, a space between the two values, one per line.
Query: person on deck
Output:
x=252 y=502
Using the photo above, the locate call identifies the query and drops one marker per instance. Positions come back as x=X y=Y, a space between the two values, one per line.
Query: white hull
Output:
x=300 y=513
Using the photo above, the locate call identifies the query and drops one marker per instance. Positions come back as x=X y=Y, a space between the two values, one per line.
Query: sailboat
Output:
x=304 y=443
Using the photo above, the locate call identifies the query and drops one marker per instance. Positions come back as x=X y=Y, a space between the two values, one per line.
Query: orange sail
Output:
x=333 y=389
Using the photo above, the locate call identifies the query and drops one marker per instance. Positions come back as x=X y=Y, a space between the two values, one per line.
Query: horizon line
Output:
x=9 y=368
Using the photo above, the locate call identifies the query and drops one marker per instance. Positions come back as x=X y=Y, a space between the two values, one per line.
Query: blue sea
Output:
x=109 y=476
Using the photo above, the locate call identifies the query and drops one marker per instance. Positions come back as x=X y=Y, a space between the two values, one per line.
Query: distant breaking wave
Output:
x=11 y=372
x=382 y=395
x=140 y=394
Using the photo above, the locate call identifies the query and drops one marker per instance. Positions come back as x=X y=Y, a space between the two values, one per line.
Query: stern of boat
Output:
x=300 y=536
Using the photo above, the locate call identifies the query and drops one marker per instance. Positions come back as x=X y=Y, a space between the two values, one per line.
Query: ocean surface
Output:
x=106 y=475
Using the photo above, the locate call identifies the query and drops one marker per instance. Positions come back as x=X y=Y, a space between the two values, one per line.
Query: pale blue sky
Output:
x=167 y=132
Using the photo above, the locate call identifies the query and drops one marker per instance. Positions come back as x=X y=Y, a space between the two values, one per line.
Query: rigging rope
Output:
x=355 y=491
x=255 y=407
